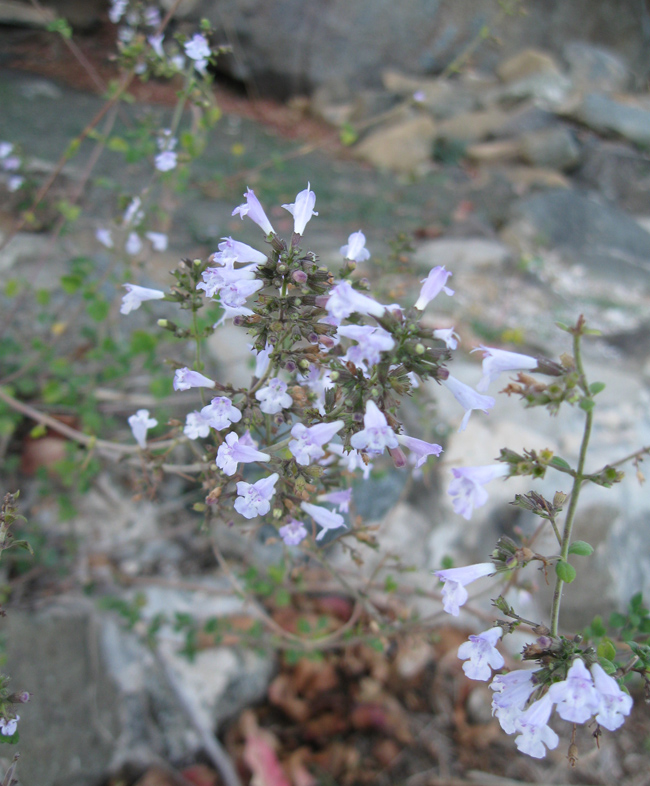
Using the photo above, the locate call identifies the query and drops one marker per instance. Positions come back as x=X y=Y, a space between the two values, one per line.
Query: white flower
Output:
x=535 y=733
x=254 y=498
x=215 y=278
x=197 y=49
x=448 y=335
x=355 y=248
x=140 y=423
x=166 y=161
x=8 y=727
x=343 y=300
x=14 y=183
x=104 y=237
x=352 y=459
x=235 y=450
x=419 y=448
x=454 y=594
x=371 y=342
x=325 y=518
x=468 y=398
x=340 y=498
x=136 y=295
x=262 y=359
x=293 y=533
x=433 y=284
x=240 y=252
x=576 y=697
x=467 y=486
x=302 y=209
x=196 y=425
x=615 y=704
x=307 y=443
x=5 y=149
x=496 y=361
x=117 y=9
x=220 y=413
x=158 y=240
x=376 y=434
x=185 y=378
x=133 y=244
x=253 y=209
x=481 y=654
x=273 y=397
x=134 y=213
x=156 y=42
x=512 y=692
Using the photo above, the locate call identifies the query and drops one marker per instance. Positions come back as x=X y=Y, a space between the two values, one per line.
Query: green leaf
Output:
x=606 y=650
x=117 y=144
x=565 y=571
x=142 y=342
x=61 y=27
x=559 y=463
x=12 y=287
x=98 y=310
x=587 y=404
x=581 y=548
x=607 y=665
x=597 y=627
x=596 y=387
x=617 y=620
x=282 y=598
x=71 y=283
x=22 y=544
x=390 y=585
x=348 y=134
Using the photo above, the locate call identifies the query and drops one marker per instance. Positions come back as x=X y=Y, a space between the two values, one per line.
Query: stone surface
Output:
x=618 y=172
x=525 y=64
x=596 y=68
x=404 y=147
x=554 y=148
x=462 y=255
x=473 y=126
x=609 y=115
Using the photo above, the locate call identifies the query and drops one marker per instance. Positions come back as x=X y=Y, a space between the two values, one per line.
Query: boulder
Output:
x=596 y=68
x=525 y=64
x=554 y=148
x=621 y=116
x=404 y=147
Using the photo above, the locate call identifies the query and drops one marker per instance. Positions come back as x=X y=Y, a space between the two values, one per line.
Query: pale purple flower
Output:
x=467 y=486
x=454 y=594
x=433 y=285
x=302 y=209
x=343 y=300
x=156 y=42
x=196 y=425
x=220 y=413
x=448 y=335
x=376 y=434
x=325 y=518
x=355 y=248
x=166 y=161
x=481 y=654
x=262 y=359
x=197 y=49
x=104 y=237
x=371 y=342
x=614 y=704
x=419 y=96
x=496 y=361
x=125 y=34
x=136 y=295
x=11 y=163
x=241 y=252
x=235 y=450
x=318 y=381
x=421 y=449
x=233 y=295
x=5 y=149
x=352 y=459
x=215 y=278
x=151 y=16
x=133 y=244
x=293 y=533
x=535 y=733
x=307 y=443
x=340 y=498
x=8 y=727
x=14 y=183
x=159 y=240
x=255 y=212
x=254 y=499
x=134 y=213
x=512 y=692
x=468 y=398
x=140 y=423
x=273 y=397
x=178 y=62
x=185 y=378
x=117 y=9
x=576 y=697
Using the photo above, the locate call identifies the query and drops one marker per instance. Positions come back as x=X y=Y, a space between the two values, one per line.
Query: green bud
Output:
x=277 y=513
x=163 y=323
x=304 y=363
x=420 y=349
x=334 y=376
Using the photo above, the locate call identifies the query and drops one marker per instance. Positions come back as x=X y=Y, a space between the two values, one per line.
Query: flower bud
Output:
x=299 y=276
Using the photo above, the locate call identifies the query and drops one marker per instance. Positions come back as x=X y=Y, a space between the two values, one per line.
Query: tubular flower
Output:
x=136 y=295
x=356 y=248
x=343 y=300
x=302 y=209
x=307 y=443
x=325 y=518
x=481 y=654
x=273 y=397
x=293 y=533
x=220 y=413
x=140 y=423
x=467 y=486
x=419 y=448
x=433 y=285
x=185 y=378
x=534 y=730
x=576 y=697
x=468 y=398
x=614 y=704
x=254 y=210
x=454 y=594
x=235 y=450
x=254 y=499
x=496 y=361
x=376 y=435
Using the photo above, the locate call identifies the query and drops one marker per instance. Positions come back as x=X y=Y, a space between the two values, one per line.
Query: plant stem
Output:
x=577 y=483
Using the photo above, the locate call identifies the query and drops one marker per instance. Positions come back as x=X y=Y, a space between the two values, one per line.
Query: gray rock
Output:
x=549 y=90
x=441 y=97
x=555 y=148
x=609 y=115
x=405 y=147
x=462 y=254
x=472 y=127
x=607 y=241
x=618 y=172
x=596 y=68
x=526 y=64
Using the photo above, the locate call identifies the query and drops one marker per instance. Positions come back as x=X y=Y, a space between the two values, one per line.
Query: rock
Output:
x=525 y=178
x=526 y=118
x=617 y=171
x=554 y=148
x=439 y=96
x=525 y=64
x=489 y=152
x=600 y=236
x=23 y=248
x=13 y=12
x=404 y=147
x=187 y=9
x=100 y=700
x=472 y=126
x=608 y=115
x=462 y=255
x=595 y=68
x=549 y=90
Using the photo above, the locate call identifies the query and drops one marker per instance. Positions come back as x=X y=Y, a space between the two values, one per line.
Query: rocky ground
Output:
x=530 y=184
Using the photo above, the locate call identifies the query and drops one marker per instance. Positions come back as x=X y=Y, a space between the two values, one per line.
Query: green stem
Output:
x=577 y=483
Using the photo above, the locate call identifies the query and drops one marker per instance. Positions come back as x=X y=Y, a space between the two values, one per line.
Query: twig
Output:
x=211 y=744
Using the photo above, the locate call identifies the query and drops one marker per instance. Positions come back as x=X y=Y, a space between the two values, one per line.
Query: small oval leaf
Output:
x=559 y=463
x=565 y=571
x=582 y=548
x=606 y=650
